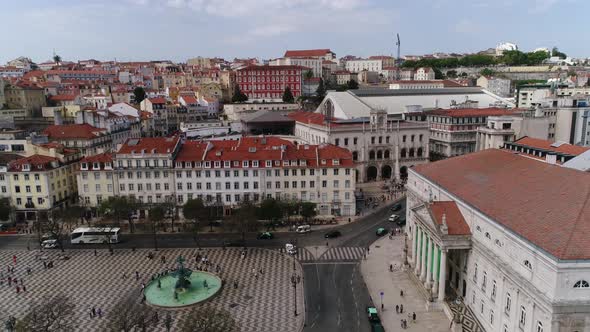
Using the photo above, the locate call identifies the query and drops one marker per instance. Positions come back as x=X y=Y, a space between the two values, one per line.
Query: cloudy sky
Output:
x=179 y=29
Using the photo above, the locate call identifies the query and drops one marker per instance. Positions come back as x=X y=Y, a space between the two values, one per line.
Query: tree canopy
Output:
x=48 y=315
x=139 y=94
x=5 y=208
x=352 y=85
x=207 y=319
x=238 y=96
x=321 y=90
x=555 y=52
x=288 y=96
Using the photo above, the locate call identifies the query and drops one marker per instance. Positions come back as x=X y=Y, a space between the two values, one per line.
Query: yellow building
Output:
x=27 y=96
x=41 y=183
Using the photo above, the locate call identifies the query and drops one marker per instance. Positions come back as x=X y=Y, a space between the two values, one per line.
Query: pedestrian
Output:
x=93 y=310
x=368 y=250
x=261 y=272
x=136 y=275
x=390 y=267
x=142 y=287
x=401 y=322
x=163 y=259
x=24 y=288
x=17 y=289
x=397 y=308
x=401 y=309
x=401 y=293
x=159 y=284
x=124 y=275
x=99 y=311
x=156 y=319
x=90 y=313
x=382 y=306
x=14 y=259
x=95 y=253
x=256 y=276
x=414 y=316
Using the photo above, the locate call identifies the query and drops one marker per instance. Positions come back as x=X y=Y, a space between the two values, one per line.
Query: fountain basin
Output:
x=195 y=293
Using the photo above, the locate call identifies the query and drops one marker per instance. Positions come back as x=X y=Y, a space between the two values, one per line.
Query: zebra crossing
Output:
x=346 y=254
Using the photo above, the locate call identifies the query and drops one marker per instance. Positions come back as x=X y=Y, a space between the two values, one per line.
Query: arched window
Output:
x=581 y=284
x=379 y=154
x=371 y=155
x=411 y=153
x=419 y=153
x=403 y=153
x=386 y=154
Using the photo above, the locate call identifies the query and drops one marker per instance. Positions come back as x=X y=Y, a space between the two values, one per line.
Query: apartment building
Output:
x=269 y=82
x=223 y=173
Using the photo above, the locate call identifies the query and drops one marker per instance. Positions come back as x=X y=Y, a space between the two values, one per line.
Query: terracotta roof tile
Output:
x=453 y=217
x=73 y=131
x=565 y=148
x=466 y=112
x=37 y=163
x=159 y=145
x=545 y=204
x=307 y=53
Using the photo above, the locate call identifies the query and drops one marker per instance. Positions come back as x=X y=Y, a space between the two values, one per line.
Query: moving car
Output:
x=265 y=236
x=401 y=221
x=396 y=207
x=332 y=234
x=374 y=320
x=303 y=229
x=393 y=217
x=381 y=231
x=49 y=244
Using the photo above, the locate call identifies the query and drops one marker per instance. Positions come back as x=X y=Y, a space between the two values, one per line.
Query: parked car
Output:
x=393 y=217
x=265 y=236
x=401 y=221
x=396 y=207
x=332 y=234
x=381 y=231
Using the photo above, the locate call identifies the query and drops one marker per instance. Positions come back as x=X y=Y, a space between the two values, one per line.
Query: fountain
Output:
x=182 y=287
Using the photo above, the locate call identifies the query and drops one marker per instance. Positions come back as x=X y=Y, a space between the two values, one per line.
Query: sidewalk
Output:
x=375 y=270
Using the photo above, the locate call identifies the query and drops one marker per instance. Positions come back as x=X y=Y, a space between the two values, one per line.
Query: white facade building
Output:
x=356 y=66
x=516 y=255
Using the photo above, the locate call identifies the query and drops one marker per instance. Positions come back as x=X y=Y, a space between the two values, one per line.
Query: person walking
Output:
x=397 y=308
x=401 y=309
x=93 y=310
x=414 y=316
x=401 y=293
x=136 y=275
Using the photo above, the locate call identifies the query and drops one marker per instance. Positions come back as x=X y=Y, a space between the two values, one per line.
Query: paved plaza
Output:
x=259 y=304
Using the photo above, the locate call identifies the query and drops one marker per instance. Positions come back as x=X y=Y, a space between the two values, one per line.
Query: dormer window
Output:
x=26 y=167
x=227 y=164
x=178 y=165
x=285 y=163
x=84 y=166
x=236 y=163
x=277 y=163
x=108 y=165
x=245 y=163
x=255 y=163
x=217 y=164
x=95 y=166
x=207 y=164
x=323 y=161
x=303 y=162
x=335 y=162
x=269 y=163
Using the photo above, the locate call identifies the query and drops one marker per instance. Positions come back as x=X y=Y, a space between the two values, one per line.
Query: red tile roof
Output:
x=146 y=115
x=158 y=145
x=37 y=163
x=101 y=159
x=189 y=99
x=565 y=148
x=267 y=67
x=308 y=117
x=63 y=97
x=466 y=112
x=262 y=149
x=157 y=100
x=453 y=217
x=307 y=53
x=380 y=57
x=73 y=131
x=546 y=204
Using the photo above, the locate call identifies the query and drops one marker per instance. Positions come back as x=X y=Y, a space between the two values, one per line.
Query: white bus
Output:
x=95 y=235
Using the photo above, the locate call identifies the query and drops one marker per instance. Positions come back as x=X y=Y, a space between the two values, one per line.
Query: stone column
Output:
x=435 y=270
x=429 y=263
x=417 y=251
x=442 y=279
x=423 y=260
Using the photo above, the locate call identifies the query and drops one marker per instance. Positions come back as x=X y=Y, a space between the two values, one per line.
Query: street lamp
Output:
x=295 y=279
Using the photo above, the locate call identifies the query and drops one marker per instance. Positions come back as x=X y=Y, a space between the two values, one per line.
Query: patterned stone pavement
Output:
x=266 y=304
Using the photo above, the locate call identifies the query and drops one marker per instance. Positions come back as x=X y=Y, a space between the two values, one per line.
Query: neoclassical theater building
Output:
x=506 y=234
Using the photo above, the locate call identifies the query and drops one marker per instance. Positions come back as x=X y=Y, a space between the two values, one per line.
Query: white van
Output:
x=303 y=229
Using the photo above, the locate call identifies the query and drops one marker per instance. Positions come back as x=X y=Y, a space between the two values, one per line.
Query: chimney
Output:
x=444 y=228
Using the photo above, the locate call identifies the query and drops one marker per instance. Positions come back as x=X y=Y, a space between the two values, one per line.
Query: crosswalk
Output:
x=343 y=254
x=336 y=254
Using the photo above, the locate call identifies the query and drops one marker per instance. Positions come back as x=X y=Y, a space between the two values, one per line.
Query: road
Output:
x=336 y=296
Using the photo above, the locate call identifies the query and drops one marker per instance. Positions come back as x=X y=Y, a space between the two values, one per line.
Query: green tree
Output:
x=288 y=96
x=487 y=72
x=438 y=74
x=196 y=211
x=157 y=213
x=270 y=209
x=208 y=319
x=5 y=208
x=308 y=74
x=321 y=90
x=139 y=94
x=57 y=59
x=555 y=52
x=452 y=73
x=129 y=315
x=352 y=85
x=239 y=96
x=308 y=210
x=120 y=208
